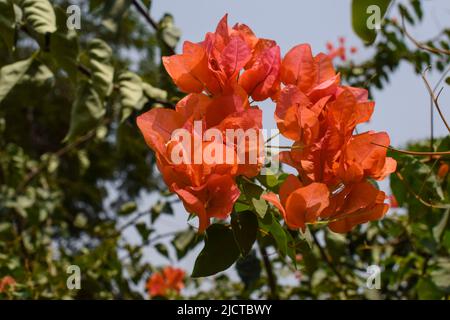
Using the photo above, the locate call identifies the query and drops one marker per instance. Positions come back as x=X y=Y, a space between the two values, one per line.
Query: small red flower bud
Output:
x=443 y=170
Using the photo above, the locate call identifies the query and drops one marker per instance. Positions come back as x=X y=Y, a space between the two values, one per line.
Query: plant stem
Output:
x=270 y=275
x=327 y=259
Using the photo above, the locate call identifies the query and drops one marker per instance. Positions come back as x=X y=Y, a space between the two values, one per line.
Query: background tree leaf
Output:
x=11 y=74
x=168 y=33
x=100 y=63
x=7 y=23
x=113 y=10
x=360 y=17
x=86 y=111
x=39 y=15
x=184 y=241
x=64 y=46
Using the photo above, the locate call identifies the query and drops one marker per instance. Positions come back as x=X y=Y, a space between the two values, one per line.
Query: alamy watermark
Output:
x=232 y=146
x=73 y=21
x=373 y=280
x=74 y=280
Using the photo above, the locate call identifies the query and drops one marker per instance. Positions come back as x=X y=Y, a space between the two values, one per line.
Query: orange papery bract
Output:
x=7 y=283
x=443 y=170
x=214 y=65
x=170 y=279
x=321 y=115
x=220 y=75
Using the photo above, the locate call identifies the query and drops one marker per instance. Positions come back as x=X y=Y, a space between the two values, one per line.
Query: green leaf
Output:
x=159 y=208
x=38 y=75
x=417 y=8
x=113 y=11
x=363 y=13
x=252 y=193
x=143 y=230
x=239 y=207
x=39 y=15
x=446 y=240
x=154 y=93
x=80 y=221
x=405 y=13
x=5 y=226
x=64 y=46
x=269 y=180
x=168 y=32
x=7 y=23
x=439 y=229
x=272 y=226
x=100 y=63
x=218 y=254
x=441 y=274
x=131 y=93
x=134 y=93
x=307 y=236
x=184 y=241
x=130 y=88
x=162 y=249
x=86 y=111
x=427 y=290
x=11 y=74
x=127 y=208
x=260 y=206
x=245 y=228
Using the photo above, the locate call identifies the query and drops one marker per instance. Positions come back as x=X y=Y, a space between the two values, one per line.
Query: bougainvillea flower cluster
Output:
x=340 y=51
x=335 y=166
x=161 y=284
x=7 y=283
x=232 y=67
x=220 y=75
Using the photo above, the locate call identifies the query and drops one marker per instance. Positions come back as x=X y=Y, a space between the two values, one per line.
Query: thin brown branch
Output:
x=420 y=199
x=84 y=70
x=326 y=258
x=270 y=275
x=140 y=7
x=59 y=153
x=435 y=99
x=420 y=44
x=415 y=153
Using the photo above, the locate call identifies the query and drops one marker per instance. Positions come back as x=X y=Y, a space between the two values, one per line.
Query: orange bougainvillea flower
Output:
x=340 y=50
x=220 y=74
x=161 y=284
x=320 y=116
x=311 y=74
x=358 y=203
x=214 y=199
x=363 y=157
x=207 y=189
x=443 y=170
x=299 y=204
x=7 y=283
x=227 y=57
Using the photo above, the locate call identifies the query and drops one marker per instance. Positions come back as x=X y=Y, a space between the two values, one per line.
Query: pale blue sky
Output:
x=402 y=107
